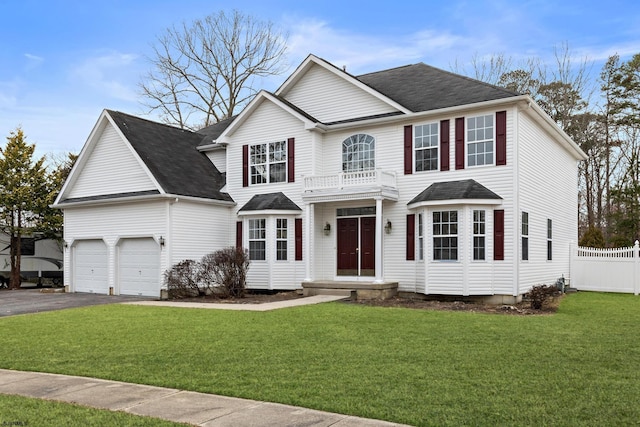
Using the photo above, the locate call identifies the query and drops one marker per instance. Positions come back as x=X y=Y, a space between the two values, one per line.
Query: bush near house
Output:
x=222 y=273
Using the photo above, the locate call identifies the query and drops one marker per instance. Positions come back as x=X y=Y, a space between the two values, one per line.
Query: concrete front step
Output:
x=357 y=290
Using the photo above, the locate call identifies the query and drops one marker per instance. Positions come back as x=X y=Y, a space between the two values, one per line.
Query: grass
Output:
x=576 y=367
x=23 y=411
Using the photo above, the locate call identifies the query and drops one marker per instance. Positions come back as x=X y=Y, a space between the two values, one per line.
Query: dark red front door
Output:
x=347 y=246
x=356 y=246
x=368 y=246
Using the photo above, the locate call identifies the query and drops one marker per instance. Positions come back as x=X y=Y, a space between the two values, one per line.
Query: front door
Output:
x=356 y=246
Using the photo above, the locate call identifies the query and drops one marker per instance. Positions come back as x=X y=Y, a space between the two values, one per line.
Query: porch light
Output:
x=161 y=240
x=387 y=227
x=327 y=229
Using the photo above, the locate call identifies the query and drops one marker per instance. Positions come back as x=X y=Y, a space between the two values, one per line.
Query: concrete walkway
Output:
x=170 y=404
x=317 y=299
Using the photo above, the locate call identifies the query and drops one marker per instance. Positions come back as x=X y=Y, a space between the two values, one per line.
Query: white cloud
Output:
x=112 y=74
x=34 y=61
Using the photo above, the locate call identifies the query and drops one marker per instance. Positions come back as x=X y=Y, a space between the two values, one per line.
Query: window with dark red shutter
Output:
x=444 y=145
x=411 y=237
x=245 y=165
x=501 y=138
x=298 y=236
x=408 y=150
x=291 y=170
x=460 y=143
x=498 y=235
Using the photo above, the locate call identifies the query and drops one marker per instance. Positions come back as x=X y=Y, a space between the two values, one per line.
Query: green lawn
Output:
x=576 y=367
x=23 y=411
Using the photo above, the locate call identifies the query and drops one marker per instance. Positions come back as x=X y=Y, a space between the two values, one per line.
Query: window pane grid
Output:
x=268 y=162
x=480 y=140
x=257 y=239
x=445 y=239
x=426 y=147
x=281 y=239
x=479 y=240
x=525 y=236
x=358 y=153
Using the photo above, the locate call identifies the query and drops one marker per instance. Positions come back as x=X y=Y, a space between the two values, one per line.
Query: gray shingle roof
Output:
x=211 y=133
x=420 y=87
x=454 y=190
x=271 y=201
x=171 y=156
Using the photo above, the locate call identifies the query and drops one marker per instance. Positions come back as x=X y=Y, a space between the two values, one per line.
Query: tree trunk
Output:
x=15 y=252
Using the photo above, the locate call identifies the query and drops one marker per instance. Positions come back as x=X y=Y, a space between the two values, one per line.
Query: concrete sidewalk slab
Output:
x=317 y=299
x=200 y=409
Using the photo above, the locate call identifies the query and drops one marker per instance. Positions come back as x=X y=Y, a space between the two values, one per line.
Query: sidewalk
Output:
x=170 y=404
x=317 y=299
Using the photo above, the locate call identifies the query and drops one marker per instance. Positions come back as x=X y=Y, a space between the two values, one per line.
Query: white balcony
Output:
x=351 y=185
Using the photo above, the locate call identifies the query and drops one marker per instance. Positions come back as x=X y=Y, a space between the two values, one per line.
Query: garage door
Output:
x=90 y=267
x=139 y=267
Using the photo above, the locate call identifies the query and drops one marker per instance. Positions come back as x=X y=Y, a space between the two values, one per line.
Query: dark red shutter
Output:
x=245 y=165
x=239 y=234
x=444 y=145
x=411 y=237
x=501 y=138
x=298 y=235
x=408 y=150
x=460 y=143
x=291 y=169
x=498 y=235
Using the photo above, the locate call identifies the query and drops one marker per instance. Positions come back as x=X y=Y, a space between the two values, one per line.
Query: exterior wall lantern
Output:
x=161 y=241
x=387 y=227
x=327 y=229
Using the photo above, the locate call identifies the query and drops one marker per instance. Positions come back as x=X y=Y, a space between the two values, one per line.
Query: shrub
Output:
x=592 y=238
x=224 y=272
x=183 y=279
x=540 y=294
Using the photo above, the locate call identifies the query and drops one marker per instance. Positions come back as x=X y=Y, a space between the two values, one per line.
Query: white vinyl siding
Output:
x=541 y=157
x=328 y=97
x=111 y=168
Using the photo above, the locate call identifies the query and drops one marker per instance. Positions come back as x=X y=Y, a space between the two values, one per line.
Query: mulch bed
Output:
x=522 y=308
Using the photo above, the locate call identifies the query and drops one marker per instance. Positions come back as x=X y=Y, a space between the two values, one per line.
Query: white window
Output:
x=281 y=239
x=445 y=235
x=480 y=140
x=420 y=239
x=426 y=142
x=257 y=239
x=359 y=153
x=525 y=236
x=268 y=162
x=479 y=238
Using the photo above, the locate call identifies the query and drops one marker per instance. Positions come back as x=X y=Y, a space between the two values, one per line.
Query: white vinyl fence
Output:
x=606 y=270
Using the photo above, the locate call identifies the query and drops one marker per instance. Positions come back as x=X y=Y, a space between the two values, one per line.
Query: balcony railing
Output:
x=343 y=180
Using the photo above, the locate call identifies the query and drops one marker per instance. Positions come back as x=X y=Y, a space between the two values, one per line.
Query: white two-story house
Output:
x=411 y=179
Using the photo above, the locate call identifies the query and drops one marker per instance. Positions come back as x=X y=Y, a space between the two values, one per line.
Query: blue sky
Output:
x=63 y=61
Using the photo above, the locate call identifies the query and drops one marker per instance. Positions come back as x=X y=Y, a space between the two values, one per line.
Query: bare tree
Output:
x=204 y=72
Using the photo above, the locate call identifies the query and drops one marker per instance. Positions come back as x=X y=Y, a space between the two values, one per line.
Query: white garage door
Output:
x=139 y=267
x=90 y=267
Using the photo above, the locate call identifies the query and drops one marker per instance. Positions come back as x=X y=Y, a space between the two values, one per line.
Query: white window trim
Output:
x=467 y=142
x=474 y=235
x=268 y=163
x=449 y=235
x=280 y=239
x=434 y=147
x=263 y=239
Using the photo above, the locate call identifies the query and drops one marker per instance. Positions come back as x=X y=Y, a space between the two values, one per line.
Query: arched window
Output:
x=358 y=153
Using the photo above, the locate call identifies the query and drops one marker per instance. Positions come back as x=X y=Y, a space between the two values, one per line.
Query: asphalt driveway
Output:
x=24 y=301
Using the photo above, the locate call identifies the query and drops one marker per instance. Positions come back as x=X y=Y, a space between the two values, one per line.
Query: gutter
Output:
x=151 y=197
